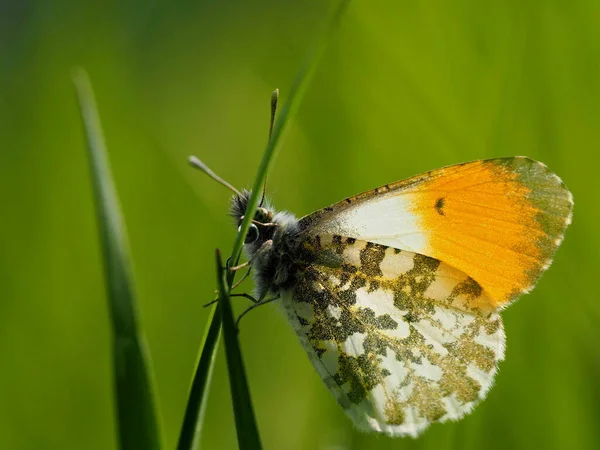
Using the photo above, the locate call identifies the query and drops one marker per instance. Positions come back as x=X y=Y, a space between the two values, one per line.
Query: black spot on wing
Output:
x=439 y=205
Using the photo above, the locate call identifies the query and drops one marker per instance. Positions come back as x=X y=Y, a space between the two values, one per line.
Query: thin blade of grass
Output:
x=247 y=430
x=194 y=413
x=245 y=423
x=136 y=416
x=290 y=107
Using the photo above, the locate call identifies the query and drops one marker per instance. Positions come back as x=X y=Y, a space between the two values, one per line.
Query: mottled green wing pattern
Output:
x=400 y=339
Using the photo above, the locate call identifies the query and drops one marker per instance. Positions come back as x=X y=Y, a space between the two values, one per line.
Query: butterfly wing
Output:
x=400 y=339
x=498 y=220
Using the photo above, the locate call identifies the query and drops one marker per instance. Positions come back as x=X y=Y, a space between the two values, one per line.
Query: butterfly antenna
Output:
x=195 y=162
x=274 y=100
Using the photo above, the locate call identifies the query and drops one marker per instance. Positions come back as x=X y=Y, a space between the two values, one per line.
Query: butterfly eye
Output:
x=252 y=235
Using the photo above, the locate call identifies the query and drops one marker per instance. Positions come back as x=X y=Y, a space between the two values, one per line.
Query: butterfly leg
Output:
x=242 y=279
x=266 y=245
x=241 y=266
x=266 y=224
x=256 y=305
x=248 y=296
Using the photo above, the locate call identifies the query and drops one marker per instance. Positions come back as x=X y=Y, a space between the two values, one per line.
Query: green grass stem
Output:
x=136 y=416
x=194 y=413
x=247 y=430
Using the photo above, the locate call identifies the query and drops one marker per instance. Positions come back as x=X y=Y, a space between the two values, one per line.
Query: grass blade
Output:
x=194 y=412
x=247 y=430
x=289 y=108
x=245 y=423
x=136 y=417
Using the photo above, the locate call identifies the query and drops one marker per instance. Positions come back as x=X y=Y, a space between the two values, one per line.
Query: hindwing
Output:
x=400 y=339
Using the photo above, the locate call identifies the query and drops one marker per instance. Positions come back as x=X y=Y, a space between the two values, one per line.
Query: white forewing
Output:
x=399 y=228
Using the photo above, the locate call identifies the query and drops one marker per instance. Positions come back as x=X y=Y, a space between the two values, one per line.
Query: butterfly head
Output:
x=270 y=241
x=262 y=227
x=267 y=226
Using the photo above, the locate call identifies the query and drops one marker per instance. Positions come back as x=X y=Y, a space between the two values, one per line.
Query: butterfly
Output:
x=395 y=293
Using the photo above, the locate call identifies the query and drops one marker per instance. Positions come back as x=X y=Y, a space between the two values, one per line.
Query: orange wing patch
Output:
x=499 y=221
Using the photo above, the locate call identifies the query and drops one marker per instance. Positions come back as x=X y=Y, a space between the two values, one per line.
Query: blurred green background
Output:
x=404 y=87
